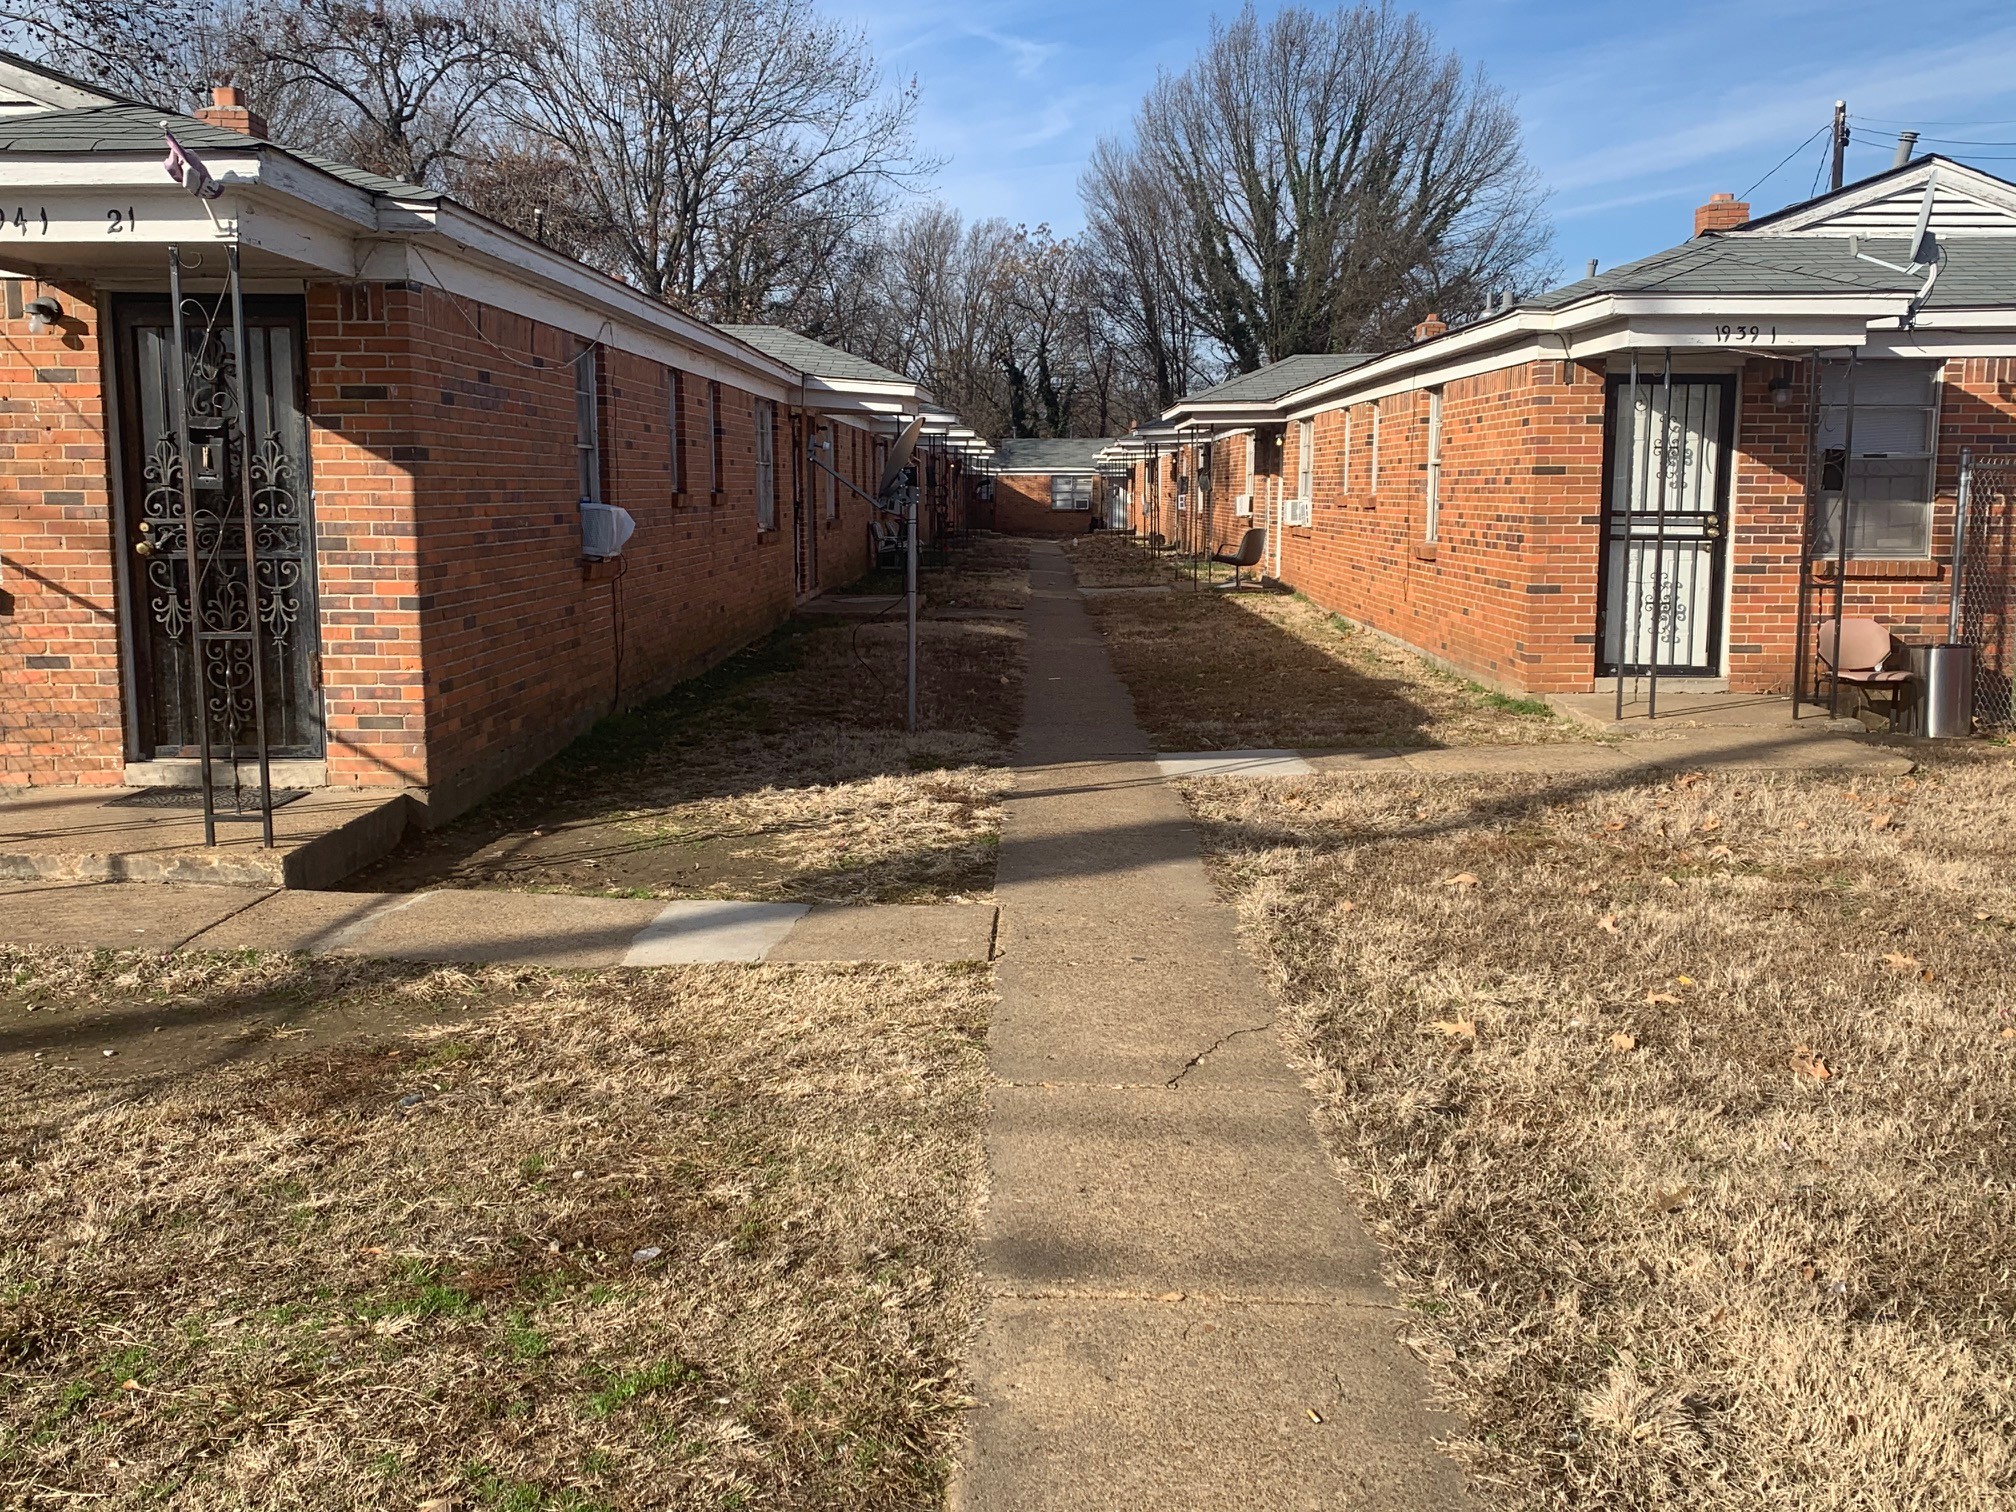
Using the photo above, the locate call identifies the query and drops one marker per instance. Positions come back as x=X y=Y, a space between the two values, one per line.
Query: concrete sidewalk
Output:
x=458 y=927
x=1182 y=1311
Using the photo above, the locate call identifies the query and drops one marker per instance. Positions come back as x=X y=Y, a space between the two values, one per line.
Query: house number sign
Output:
x=33 y=220
x=1745 y=335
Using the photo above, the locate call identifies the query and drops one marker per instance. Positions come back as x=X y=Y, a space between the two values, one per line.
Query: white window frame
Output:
x=587 y=426
x=1372 y=482
x=764 y=413
x=1431 y=519
x=1070 y=493
x=1345 y=473
x=1824 y=524
x=1305 y=464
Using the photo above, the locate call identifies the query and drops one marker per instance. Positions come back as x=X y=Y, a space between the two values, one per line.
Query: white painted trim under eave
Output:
x=1952 y=175
x=1594 y=327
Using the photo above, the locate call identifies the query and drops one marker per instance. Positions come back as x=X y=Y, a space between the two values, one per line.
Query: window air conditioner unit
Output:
x=1295 y=512
x=604 y=529
x=1243 y=505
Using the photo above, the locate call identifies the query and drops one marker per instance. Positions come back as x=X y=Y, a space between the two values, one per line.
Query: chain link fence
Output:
x=1986 y=564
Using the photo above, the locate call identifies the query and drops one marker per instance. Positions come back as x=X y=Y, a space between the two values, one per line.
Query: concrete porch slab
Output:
x=890 y=932
x=1233 y=764
x=77 y=835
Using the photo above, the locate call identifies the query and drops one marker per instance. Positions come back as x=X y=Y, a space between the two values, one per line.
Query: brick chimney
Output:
x=1433 y=326
x=1723 y=212
x=227 y=108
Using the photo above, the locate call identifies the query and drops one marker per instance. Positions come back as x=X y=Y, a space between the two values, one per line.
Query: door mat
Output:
x=244 y=801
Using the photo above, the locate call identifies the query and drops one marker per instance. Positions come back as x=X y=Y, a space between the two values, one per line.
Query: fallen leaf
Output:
x=1720 y=853
x=1808 y=1271
x=1982 y=916
x=1925 y=975
x=1456 y=1028
x=1881 y=821
x=1688 y=779
x=1345 y=905
x=2009 y=1034
x=1608 y=922
x=1710 y=824
x=1622 y=1041
x=1618 y=824
x=1896 y=960
x=130 y=1384
x=1685 y=981
x=1671 y=1199
x=1170 y=1296
x=1809 y=1063
x=1461 y=879
x=1661 y=997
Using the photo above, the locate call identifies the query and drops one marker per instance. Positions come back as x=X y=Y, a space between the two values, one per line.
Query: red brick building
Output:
x=1649 y=464
x=441 y=420
x=1051 y=487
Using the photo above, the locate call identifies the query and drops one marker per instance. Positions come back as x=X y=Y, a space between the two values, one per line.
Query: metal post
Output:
x=1840 y=141
x=178 y=368
x=1659 y=538
x=1802 y=618
x=242 y=355
x=1962 y=504
x=1841 y=534
x=915 y=493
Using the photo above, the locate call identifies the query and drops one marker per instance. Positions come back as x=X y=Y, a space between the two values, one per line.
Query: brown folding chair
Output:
x=1856 y=655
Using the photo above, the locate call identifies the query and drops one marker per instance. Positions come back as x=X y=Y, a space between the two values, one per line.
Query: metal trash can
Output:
x=1946 y=694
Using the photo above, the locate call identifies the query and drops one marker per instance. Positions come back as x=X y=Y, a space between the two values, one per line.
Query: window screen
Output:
x=766 y=463
x=1432 y=522
x=1070 y=493
x=1889 y=478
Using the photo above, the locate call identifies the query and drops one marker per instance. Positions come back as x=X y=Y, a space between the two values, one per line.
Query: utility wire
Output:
x=1781 y=163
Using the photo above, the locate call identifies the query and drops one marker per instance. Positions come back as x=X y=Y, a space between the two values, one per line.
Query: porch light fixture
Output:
x=42 y=313
x=1781 y=388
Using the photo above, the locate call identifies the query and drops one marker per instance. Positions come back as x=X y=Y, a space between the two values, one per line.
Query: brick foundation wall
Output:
x=60 y=700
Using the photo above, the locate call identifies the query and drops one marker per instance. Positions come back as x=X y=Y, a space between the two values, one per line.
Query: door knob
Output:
x=143 y=548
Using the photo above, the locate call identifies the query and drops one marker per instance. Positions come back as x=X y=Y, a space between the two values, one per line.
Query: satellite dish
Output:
x=900 y=454
x=1924 y=245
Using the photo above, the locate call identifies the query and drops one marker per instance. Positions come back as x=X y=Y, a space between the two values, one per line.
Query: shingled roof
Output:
x=1045 y=454
x=813 y=357
x=1279 y=378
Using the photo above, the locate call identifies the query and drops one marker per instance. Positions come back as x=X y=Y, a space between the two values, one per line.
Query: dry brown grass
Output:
x=687 y=1238
x=785 y=775
x=1104 y=560
x=1683 y=1110
x=1218 y=671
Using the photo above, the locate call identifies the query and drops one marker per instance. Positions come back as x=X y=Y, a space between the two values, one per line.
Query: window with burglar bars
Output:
x=587 y=441
x=1070 y=493
x=765 y=414
x=1889 y=478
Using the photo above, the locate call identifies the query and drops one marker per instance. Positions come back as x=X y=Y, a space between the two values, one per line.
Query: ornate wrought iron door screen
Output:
x=226 y=612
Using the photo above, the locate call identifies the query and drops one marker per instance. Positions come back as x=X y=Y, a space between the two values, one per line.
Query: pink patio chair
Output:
x=1855 y=655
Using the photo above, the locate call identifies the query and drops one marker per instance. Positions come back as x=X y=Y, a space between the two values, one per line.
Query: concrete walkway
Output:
x=470 y=927
x=1182 y=1309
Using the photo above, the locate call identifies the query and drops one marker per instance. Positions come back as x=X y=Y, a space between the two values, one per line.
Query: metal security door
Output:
x=1665 y=524
x=270 y=441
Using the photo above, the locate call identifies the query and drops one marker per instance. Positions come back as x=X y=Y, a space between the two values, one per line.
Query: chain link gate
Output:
x=1984 y=595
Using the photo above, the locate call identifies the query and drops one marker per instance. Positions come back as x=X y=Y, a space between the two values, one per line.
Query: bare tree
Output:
x=1135 y=268
x=725 y=144
x=412 y=79
x=1336 y=175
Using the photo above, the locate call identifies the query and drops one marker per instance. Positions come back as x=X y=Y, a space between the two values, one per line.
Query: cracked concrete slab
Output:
x=1147 y=1139
x=890 y=932
x=1149 y=1191
x=1091 y=1405
x=117 y=915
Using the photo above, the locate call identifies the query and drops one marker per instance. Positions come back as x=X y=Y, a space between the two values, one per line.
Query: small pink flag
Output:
x=187 y=169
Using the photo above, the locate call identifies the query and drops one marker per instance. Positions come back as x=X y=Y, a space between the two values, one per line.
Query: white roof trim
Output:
x=1850 y=209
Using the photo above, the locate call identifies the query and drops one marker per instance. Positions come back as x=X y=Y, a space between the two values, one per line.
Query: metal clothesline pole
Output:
x=1659 y=615
x=1841 y=536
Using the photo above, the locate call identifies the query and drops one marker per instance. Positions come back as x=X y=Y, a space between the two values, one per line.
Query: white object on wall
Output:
x=604 y=529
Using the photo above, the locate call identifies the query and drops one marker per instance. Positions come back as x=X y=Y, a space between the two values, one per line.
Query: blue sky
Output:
x=1634 y=113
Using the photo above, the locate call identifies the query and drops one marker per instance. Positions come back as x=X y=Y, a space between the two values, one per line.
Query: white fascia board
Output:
x=1952 y=175
x=843 y=396
x=22 y=78
x=1599 y=325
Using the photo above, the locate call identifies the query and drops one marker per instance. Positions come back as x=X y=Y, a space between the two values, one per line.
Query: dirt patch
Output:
x=687 y=1238
x=991 y=572
x=786 y=774
x=1211 y=670
x=1682 y=1109
x=1104 y=560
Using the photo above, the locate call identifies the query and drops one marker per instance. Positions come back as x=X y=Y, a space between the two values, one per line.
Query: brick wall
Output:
x=60 y=701
x=1022 y=507
x=1507 y=590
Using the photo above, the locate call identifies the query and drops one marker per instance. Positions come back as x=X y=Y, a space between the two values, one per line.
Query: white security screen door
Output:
x=1665 y=517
